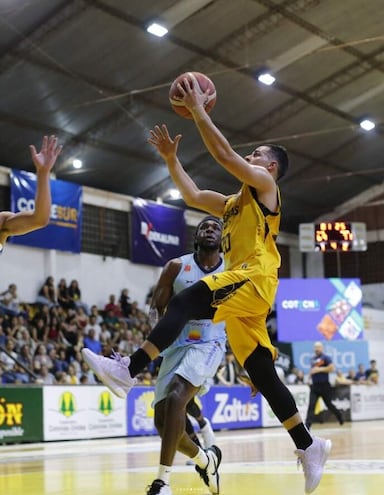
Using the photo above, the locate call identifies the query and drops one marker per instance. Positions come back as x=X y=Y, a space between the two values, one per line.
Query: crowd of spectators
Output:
x=41 y=342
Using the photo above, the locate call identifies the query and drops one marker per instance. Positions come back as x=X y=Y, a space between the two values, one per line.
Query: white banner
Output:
x=78 y=412
x=367 y=402
x=301 y=395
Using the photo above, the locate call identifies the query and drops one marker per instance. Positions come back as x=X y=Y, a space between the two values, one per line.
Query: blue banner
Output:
x=64 y=230
x=345 y=355
x=158 y=233
x=317 y=309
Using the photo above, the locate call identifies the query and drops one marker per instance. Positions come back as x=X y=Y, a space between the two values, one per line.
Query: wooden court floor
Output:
x=254 y=462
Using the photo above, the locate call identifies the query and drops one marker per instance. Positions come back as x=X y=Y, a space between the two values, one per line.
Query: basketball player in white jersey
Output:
x=189 y=363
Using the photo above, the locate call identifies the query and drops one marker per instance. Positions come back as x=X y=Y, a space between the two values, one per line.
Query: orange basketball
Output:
x=205 y=84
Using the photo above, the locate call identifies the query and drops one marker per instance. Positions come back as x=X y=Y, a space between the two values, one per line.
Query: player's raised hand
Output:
x=46 y=158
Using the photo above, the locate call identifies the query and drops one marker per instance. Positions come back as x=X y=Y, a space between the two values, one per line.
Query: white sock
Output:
x=201 y=459
x=164 y=473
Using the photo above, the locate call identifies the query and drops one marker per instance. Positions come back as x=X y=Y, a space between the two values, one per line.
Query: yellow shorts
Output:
x=239 y=303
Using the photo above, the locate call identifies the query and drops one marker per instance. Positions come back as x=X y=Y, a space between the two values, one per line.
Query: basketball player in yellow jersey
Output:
x=243 y=294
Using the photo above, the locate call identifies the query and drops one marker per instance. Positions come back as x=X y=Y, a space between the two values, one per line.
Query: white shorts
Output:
x=196 y=363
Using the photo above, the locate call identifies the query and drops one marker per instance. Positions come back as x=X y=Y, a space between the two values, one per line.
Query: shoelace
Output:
x=119 y=358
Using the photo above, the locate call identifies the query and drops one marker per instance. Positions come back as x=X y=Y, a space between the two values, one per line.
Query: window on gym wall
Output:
x=106 y=232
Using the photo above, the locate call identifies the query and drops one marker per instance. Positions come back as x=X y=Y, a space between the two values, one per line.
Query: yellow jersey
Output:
x=249 y=239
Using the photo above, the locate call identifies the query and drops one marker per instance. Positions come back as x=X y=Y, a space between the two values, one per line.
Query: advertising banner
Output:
x=76 y=412
x=318 y=309
x=64 y=230
x=345 y=355
x=140 y=412
x=301 y=395
x=232 y=408
x=158 y=232
x=21 y=414
x=367 y=402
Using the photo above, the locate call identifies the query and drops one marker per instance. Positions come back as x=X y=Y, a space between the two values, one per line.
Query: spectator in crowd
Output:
x=47 y=293
x=62 y=295
x=9 y=301
x=8 y=359
x=360 y=374
x=95 y=312
x=74 y=294
x=341 y=379
x=93 y=325
x=41 y=358
x=85 y=370
x=73 y=379
x=82 y=318
x=60 y=363
x=112 y=308
x=372 y=373
x=125 y=303
x=351 y=375
x=228 y=373
x=91 y=342
x=295 y=376
x=44 y=376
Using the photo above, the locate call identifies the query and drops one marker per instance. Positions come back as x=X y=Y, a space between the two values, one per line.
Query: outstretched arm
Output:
x=217 y=144
x=209 y=201
x=24 y=222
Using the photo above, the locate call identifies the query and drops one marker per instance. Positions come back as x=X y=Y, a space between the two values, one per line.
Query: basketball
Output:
x=204 y=83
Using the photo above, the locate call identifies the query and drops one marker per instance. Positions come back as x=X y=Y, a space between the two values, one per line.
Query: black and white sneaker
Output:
x=158 y=487
x=210 y=474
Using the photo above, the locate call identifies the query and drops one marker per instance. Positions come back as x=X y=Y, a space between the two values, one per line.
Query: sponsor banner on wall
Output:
x=140 y=413
x=21 y=415
x=301 y=395
x=345 y=355
x=76 y=412
x=64 y=230
x=319 y=309
x=232 y=407
x=158 y=232
x=367 y=402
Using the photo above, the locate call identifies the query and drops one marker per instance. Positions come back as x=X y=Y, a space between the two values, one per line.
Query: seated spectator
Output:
x=82 y=318
x=341 y=379
x=92 y=324
x=360 y=374
x=41 y=358
x=95 y=312
x=372 y=373
x=8 y=361
x=351 y=375
x=125 y=304
x=111 y=320
x=112 y=307
x=9 y=301
x=91 y=342
x=47 y=293
x=87 y=372
x=72 y=380
x=25 y=357
x=44 y=376
x=74 y=294
x=62 y=295
x=61 y=362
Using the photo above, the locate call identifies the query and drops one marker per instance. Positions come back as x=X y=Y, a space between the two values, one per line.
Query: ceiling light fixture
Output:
x=266 y=78
x=157 y=29
x=367 y=125
x=77 y=163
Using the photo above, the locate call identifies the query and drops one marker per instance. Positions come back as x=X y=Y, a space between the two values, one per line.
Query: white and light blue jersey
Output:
x=196 y=331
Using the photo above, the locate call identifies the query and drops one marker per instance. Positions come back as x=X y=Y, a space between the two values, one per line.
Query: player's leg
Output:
x=312 y=452
x=313 y=396
x=194 y=410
